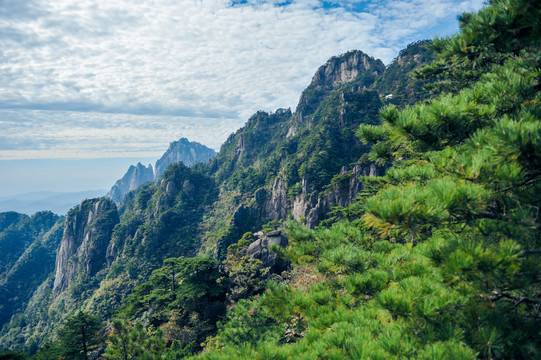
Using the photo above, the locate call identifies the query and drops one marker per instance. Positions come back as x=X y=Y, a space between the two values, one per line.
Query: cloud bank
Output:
x=103 y=78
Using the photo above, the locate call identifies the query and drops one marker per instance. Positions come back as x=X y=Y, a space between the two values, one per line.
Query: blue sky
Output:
x=119 y=80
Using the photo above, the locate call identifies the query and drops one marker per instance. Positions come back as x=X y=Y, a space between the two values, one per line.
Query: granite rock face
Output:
x=313 y=207
x=260 y=249
x=276 y=206
x=87 y=233
x=134 y=177
x=185 y=151
x=340 y=70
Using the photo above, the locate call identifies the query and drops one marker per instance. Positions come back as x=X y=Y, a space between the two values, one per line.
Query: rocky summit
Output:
x=184 y=151
x=135 y=176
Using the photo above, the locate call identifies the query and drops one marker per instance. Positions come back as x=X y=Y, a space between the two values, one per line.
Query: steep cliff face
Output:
x=312 y=207
x=87 y=232
x=185 y=151
x=134 y=177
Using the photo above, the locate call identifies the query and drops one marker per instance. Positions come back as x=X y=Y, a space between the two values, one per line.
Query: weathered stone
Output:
x=277 y=205
x=260 y=249
x=86 y=237
x=188 y=188
x=314 y=207
x=343 y=69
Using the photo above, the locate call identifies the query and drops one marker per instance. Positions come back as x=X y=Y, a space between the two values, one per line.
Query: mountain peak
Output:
x=345 y=68
x=189 y=152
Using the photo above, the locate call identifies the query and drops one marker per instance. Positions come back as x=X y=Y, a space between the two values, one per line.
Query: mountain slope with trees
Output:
x=443 y=259
x=422 y=211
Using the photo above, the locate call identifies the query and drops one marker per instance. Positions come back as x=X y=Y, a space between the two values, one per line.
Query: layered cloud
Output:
x=121 y=78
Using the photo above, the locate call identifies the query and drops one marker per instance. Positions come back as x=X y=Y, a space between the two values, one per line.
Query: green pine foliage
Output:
x=79 y=336
x=502 y=31
x=182 y=299
x=444 y=262
x=133 y=342
x=437 y=259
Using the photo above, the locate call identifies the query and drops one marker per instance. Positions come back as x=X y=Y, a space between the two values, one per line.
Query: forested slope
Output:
x=443 y=261
x=411 y=222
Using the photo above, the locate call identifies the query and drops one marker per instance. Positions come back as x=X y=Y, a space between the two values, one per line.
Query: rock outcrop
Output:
x=261 y=249
x=87 y=232
x=185 y=151
x=343 y=69
x=314 y=207
x=276 y=206
x=134 y=177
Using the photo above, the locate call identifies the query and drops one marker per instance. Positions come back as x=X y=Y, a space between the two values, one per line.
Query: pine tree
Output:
x=467 y=175
x=128 y=342
x=80 y=335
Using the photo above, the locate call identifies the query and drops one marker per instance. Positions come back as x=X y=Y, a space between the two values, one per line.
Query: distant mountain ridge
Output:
x=57 y=202
x=183 y=150
x=134 y=177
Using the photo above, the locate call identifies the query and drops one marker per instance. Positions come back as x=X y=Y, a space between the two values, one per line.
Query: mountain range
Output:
x=378 y=220
x=301 y=163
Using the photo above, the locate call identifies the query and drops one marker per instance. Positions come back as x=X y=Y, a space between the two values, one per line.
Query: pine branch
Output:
x=530 y=252
x=497 y=294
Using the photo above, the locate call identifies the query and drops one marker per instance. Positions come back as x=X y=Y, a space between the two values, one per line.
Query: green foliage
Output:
x=246 y=323
x=243 y=276
x=27 y=255
x=79 y=336
x=498 y=33
x=49 y=351
x=445 y=260
x=183 y=299
x=12 y=355
x=134 y=342
x=396 y=85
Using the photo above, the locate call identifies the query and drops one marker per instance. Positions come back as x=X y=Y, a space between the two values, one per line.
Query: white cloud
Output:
x=71 y=70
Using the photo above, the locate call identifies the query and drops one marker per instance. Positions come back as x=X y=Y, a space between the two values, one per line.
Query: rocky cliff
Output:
x=87 y=232
x=307 y=162
x=312 y=207
x=134 y=177
x=185 y=151
x=340 y=70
